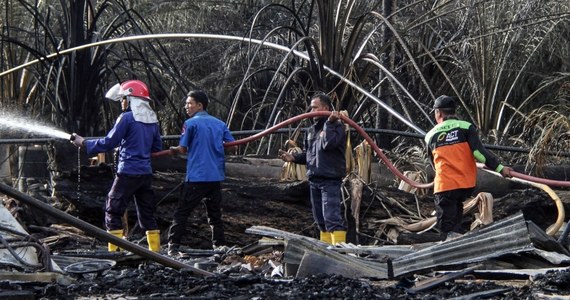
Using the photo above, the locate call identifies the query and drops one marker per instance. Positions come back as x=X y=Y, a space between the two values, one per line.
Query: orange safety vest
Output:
x=453 y=146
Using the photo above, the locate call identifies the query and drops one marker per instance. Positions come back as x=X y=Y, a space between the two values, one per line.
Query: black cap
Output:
x=444 y=102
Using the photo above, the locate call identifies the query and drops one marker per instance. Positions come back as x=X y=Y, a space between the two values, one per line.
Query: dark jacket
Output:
x=324 y=150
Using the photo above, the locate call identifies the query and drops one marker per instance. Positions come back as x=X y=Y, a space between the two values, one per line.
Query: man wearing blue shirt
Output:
x=136 y=134
x=203 y=137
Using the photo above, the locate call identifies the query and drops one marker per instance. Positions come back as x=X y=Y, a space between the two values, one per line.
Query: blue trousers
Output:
x=325 y=202
x=126 y=188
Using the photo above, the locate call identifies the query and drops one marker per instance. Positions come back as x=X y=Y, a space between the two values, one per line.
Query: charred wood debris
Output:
x=392 y=253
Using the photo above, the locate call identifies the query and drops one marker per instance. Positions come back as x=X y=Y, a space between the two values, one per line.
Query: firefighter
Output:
x=136 y=133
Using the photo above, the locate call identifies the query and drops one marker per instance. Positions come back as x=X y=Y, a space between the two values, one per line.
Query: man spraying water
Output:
x=137 y=134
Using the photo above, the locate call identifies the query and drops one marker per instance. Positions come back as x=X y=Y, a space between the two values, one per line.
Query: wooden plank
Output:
x=435 y=281
x=276 y=233
x=47 y=277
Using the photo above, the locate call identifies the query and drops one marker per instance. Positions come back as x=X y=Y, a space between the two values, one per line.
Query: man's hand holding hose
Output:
x=176 y=149
x=335 y=116
x=173 y=150
x=286 y=156
x=77 y=140
x=506 y=172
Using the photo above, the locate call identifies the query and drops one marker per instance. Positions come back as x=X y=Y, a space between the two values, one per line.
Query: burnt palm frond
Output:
x=546 y=131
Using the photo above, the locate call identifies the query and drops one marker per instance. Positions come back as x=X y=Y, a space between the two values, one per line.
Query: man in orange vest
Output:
x=453 y=146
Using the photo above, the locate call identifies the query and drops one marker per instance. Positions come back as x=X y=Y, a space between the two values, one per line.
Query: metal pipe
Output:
x=97 y=232
x=286 y=130
x=371 y=142
x=297 y=118
x=27 y=141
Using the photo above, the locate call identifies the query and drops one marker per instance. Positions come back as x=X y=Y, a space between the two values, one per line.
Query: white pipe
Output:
x=221 y=37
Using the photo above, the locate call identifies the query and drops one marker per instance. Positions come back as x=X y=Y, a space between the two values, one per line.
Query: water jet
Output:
x=26 y=125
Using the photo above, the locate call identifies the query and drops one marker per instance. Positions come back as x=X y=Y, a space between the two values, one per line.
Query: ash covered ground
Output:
x=238 y=276
x=155 y=281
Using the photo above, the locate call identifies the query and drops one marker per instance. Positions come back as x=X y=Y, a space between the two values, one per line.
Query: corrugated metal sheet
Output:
x=510 y=235
x=314 y=259
x=391 y=251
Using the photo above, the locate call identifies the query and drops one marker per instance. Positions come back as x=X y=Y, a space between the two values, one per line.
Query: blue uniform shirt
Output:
x=204 y=137
x=136 y=140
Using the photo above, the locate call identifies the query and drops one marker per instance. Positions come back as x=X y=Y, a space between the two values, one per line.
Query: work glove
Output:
x=77 y=140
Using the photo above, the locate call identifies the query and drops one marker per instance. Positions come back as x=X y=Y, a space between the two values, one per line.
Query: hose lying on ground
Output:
x=552 y=229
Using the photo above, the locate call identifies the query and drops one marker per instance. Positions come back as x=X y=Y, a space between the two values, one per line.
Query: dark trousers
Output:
x=192 y=195
x=449 y=210
x=126 y=188
x=325 y=202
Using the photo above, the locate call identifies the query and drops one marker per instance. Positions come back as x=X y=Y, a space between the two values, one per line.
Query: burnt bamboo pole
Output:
x=97 y=232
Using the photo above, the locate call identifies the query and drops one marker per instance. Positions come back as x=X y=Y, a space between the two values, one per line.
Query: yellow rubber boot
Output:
x=153 y=240
x=118 y=233
x=338 y=237
x=326 y=237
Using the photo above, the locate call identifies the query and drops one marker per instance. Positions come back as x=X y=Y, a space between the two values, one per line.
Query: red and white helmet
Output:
x=135 y=88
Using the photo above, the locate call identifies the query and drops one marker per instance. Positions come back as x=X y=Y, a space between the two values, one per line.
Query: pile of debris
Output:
x=275 y=254
x=291 y=266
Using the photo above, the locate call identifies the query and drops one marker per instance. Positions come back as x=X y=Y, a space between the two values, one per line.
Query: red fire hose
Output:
x=378 y=151
x=548 y=182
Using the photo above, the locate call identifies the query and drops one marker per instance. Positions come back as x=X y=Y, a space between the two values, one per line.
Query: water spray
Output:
x=24 y=124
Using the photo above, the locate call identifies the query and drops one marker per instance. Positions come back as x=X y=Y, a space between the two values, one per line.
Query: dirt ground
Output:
x=283 y=206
